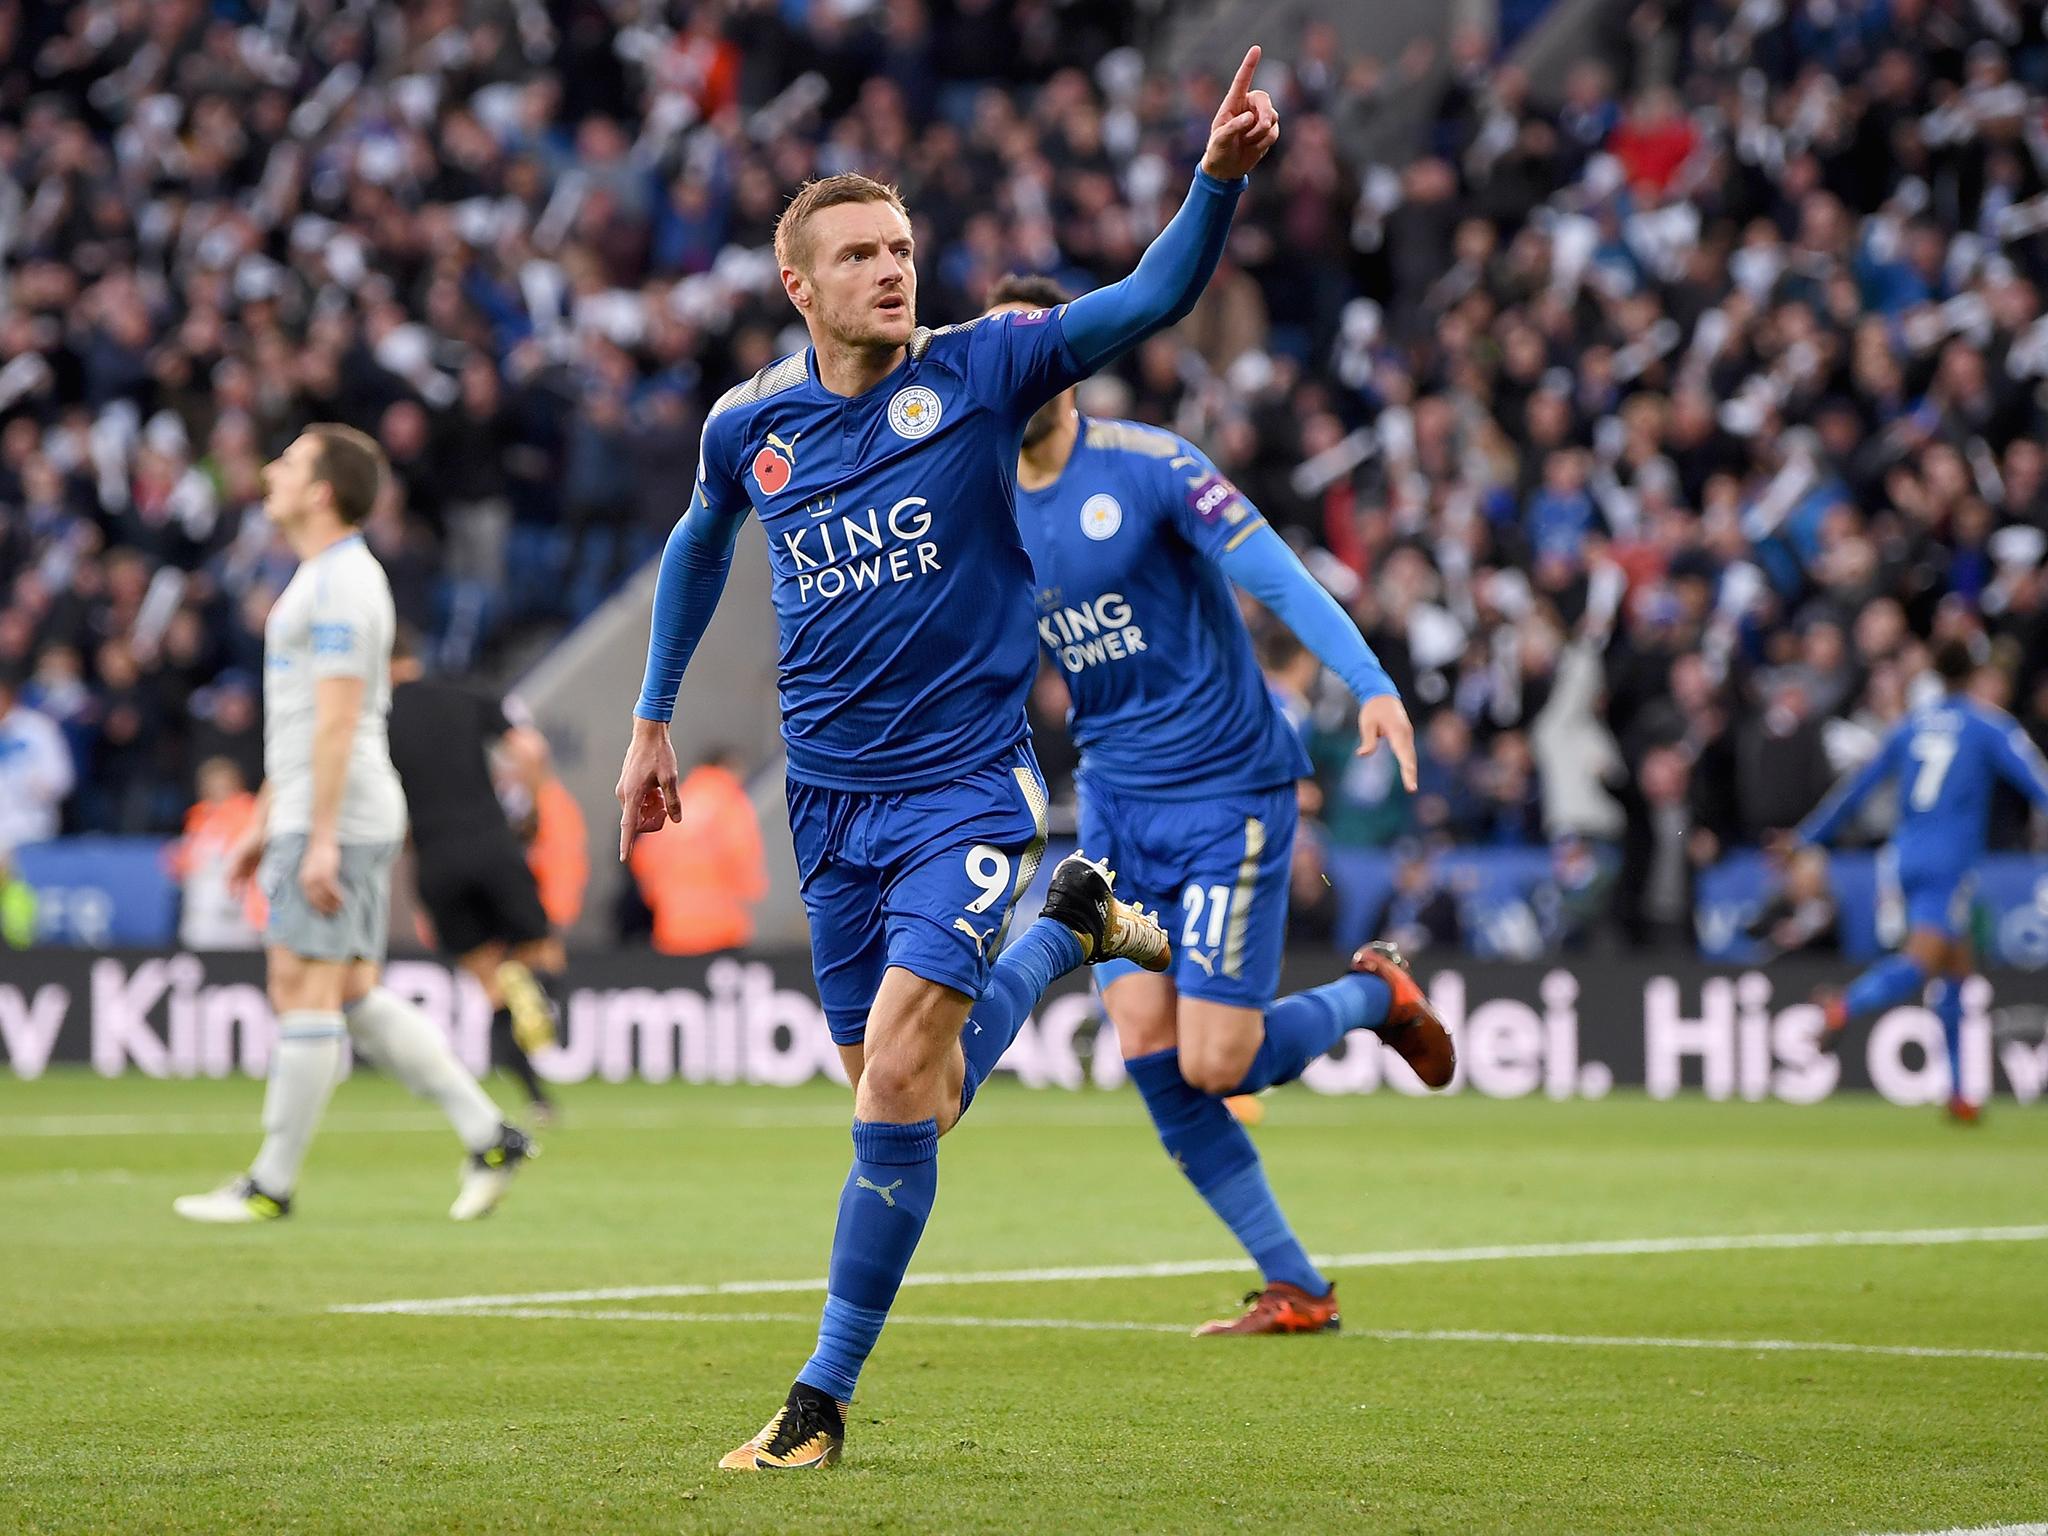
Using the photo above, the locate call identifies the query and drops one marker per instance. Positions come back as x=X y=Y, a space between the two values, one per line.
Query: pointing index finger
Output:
x=1236 y=98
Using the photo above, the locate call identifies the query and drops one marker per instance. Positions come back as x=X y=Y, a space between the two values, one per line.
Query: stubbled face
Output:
x=1049 y=415
x=288 y=483
x=858 y=282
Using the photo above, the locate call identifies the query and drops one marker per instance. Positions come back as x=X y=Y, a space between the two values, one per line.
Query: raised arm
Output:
x=2020 y=765
x=1177 y=265
x=51 y=775
x=1827 y=819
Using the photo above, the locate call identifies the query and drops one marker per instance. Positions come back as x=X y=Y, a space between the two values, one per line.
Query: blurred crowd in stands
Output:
x=1651 y=427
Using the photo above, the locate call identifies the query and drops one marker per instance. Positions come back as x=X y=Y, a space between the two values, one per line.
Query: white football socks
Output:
x=303 y=1071
x=405 y=1043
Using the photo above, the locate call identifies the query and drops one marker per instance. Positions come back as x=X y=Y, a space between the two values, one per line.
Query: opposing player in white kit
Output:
x=329 y=825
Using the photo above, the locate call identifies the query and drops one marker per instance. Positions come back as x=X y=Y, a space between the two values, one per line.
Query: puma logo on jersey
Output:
x=887 y=1192
x=1206 y=962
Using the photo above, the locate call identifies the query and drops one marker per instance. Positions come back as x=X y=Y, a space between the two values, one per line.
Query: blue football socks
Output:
x=1893 y=980
x=882 y=1212
x=1948 y=1007
x=1212 y=1149
x=1046 y=952
x=1302 y=1027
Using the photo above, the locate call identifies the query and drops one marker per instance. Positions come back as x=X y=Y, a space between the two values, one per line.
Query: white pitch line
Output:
x=2035 y=1529
x=86 y=1126
x=628 y=1315
x=1926 y=1237
x=1760 y=1346
x=380 y=1122
x=65 y=1177
x=1384 y=1335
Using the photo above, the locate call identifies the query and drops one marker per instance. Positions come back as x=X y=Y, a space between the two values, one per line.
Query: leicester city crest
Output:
x=1101 y=516
x=914 y=412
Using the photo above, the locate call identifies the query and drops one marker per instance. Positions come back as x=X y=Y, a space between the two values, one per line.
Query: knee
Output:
x=890 y=1080
x=299 y=985
x=1146 y=1036
x=1214 y=1072
x=912 y=1030
x=1142 y=1009
x=1928 y=950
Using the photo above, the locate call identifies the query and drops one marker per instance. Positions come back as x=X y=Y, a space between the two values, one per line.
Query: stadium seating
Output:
x=1650 y=426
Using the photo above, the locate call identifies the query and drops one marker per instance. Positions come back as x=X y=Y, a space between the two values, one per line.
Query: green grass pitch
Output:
x=160 y=1377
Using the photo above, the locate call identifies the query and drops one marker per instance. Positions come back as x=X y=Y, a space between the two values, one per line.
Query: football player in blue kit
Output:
x=881 y=462
x=1187 y=780
x=1946 y=756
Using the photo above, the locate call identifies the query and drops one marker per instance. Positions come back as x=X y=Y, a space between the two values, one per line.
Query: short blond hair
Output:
x=827 y=192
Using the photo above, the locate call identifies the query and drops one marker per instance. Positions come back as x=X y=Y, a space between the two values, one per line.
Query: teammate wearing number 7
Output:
x=1946 y=756
x=1188 y=774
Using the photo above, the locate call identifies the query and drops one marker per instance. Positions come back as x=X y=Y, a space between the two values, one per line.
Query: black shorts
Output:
x=480 y=891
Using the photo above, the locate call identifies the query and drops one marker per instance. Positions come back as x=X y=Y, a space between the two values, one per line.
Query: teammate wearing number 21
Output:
x=1946 y=756
x=881 y=464
x=1188 y=773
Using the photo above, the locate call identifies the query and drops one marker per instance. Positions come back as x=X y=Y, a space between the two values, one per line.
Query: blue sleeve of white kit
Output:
x=1170 y=276
x=1265 y=567
x=694 y=565
x=1828 y=818
x=2020 y=764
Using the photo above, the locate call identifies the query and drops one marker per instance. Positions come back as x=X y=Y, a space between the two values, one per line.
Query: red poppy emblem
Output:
x=771 y=471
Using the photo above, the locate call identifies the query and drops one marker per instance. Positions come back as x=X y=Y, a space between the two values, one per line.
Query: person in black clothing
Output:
x=473 y=876
x=1662 y=851
x=1801 y=916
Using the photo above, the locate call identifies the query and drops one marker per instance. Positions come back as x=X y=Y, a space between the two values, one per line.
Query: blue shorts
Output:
x=919 y=878
x=1216 y=871
x=1938 y=901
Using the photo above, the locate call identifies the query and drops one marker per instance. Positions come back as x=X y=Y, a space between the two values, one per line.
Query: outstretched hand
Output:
x=1245 y=127
x=1384 y=718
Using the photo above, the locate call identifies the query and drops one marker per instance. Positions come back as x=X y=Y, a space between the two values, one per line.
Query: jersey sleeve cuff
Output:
x=1216 y=184
x=1377 y=686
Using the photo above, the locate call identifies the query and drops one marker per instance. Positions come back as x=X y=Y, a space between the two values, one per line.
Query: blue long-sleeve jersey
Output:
x=1136 y=545
x=903 y=595
x=1946 y=757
